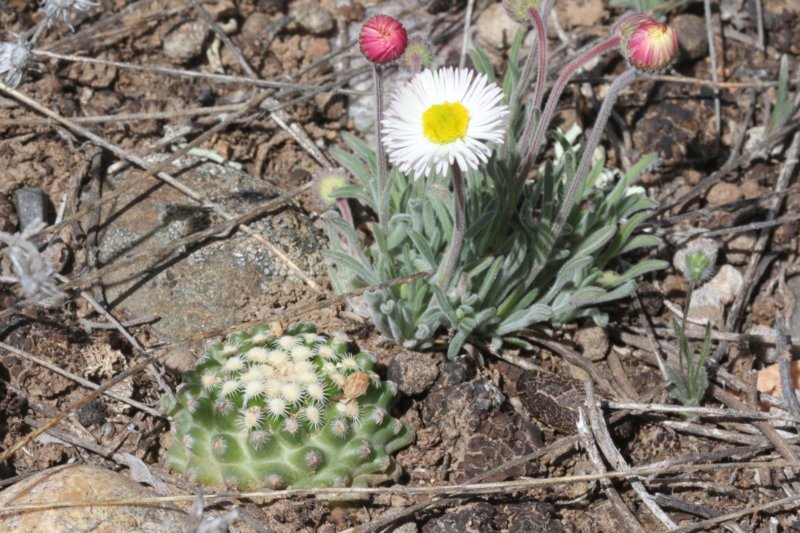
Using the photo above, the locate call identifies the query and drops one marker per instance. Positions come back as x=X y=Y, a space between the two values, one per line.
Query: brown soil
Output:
x=471 y=420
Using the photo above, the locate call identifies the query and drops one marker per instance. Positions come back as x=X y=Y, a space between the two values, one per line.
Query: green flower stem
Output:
x=584 y=167
x=459 y=221
x=567 y=203
x=529 y=156
x=383 y=185
x=684 y=319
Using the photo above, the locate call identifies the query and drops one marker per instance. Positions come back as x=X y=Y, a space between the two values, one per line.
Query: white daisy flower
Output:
x=444 y=117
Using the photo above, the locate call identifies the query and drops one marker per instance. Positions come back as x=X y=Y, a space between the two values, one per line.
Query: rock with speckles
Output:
x=85 y=482
x=206 y=285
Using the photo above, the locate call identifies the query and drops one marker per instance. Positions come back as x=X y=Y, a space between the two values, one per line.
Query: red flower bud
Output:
x=648 y=45
x=382 y=39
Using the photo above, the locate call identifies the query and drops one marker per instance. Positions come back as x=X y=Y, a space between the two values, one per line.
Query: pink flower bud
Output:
x=382 y=39
x=649 y=45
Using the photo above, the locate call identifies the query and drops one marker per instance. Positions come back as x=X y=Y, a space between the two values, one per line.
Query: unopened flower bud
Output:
x=418 y=55
x=697 y=266
x=324 y=185
x=382 y=39
x=518 y=10
x=648 y=45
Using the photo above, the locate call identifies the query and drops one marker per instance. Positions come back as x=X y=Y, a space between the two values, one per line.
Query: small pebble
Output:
x=32 y=205
x=186 y=41
x=413 y=372
x=92 y=414
x=179 y=361
x=723 y=193
x=495 y=28
x=312 y=17
x=593 y=341
x=738 y=249
x=726 y=284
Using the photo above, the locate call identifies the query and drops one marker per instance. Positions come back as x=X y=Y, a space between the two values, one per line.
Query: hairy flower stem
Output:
x=459 y=221
x=383 y=185
x=537 y=55
x=583 y=169
x=529 y=156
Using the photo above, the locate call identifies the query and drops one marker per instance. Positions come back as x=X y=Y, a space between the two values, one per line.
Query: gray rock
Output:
x=413 y=372
x=32 y=205
x=207 y=286
x=726 y=284
x=186 y=41
x=312 y=17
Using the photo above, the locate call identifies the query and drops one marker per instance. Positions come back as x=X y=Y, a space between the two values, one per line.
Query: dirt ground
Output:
x=473 y=419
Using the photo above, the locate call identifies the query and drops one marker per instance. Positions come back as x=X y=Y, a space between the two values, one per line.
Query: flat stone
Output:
x=593 y=341
x=82 y=483
x=207 y=286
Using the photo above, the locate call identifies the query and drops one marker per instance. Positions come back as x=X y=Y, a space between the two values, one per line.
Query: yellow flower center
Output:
x=444 y=123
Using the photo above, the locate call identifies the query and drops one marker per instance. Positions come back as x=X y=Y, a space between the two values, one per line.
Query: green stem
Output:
x=383 y=183
x=459 y=221
x=537 y=131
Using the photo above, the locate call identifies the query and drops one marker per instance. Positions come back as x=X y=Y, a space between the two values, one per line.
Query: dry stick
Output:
x=767 y=339
x=286 y=87
x=726 y=85
x=714 y=75
x=793 y=501
x=606 y=444
x=725 y=377
x=743 y=296
x=188 y=191
x=700 y=411
x=786 y=451
x=128 y=117
x=589 y=446
x=709 y=233
x=463 y=489
x=395 y=515
x=81 y=381
x=130 y=371
x=731 y=164
x=465 y=42
x=280 y=117
x=130 y=338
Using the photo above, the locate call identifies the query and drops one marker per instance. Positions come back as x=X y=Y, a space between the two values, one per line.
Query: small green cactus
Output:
x=278 y=409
